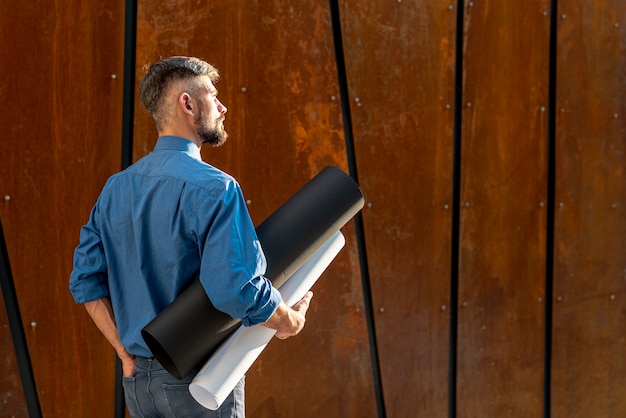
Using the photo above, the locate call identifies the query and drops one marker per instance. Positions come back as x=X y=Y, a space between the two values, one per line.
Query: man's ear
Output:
x=185 y=102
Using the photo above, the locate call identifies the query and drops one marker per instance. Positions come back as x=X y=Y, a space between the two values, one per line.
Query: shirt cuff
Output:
x=89 y=288
x=267 y=302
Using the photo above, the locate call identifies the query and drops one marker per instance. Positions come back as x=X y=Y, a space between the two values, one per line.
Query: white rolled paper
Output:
x=216 y=380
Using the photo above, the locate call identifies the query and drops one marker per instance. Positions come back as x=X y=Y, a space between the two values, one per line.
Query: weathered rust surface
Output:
x=588 y=364
x=61 y=141
x=284 y=120
x=62 y=83
x=11 y=392
x=400 y=67
x=503 y=209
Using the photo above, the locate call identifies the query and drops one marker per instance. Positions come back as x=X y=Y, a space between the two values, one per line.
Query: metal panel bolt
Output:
x=382 y=309
x=113 y=76
x=243 y=89
x=248 y=202
x=7 y=198
x=33 y=324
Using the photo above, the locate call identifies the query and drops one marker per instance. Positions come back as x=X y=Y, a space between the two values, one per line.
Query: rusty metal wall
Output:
x=503 y=206
x=590 y=221
x=12 y=396
x=62 y=118
x=400 y=71
x=489 y=142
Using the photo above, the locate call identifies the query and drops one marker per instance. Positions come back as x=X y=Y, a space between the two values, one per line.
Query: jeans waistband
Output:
x=153 y=365
x=147 y=363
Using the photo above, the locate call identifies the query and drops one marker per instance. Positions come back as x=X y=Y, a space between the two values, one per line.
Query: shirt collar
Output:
x=176 y=143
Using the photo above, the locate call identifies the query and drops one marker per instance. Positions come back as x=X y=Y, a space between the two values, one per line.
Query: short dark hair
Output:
x=162 y=73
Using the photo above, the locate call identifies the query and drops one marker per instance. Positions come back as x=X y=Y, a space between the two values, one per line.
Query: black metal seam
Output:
x=128 y=109
x=551 y=190
x=358 y=219
x=456 y=211
x=128 y=113
x=17 y=332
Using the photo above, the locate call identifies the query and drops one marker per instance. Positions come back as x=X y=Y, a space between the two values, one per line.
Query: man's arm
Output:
x=101 y=311
x=289 y=321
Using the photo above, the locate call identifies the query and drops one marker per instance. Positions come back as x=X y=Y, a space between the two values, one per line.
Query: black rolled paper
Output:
x=190 y=329
x=301 y=225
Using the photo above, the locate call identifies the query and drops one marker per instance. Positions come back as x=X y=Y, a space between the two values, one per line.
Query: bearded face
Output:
x=210 y=131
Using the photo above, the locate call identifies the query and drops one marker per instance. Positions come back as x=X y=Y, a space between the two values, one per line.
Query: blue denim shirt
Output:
x=168 y=219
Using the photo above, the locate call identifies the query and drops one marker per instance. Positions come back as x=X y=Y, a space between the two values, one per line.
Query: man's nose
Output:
x=221 y=108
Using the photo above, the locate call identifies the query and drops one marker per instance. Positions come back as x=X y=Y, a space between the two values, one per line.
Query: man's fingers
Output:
x=303 y=304
x=281 y=335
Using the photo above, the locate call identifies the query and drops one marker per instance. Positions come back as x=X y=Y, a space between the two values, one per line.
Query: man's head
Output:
x=179 y=93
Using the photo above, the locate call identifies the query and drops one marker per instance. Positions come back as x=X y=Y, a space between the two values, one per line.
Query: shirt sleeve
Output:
x=89 y=280
x=233 y=264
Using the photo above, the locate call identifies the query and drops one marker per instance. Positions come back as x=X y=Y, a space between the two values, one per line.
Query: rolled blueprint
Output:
x=233 y=358
x=190 y=329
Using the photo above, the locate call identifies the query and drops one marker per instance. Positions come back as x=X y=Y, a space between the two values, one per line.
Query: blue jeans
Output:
x=153 y=393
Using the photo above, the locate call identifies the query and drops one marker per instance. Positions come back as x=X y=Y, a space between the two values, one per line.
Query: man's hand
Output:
x=289 y=321
x=101 y=312
x=128 y=363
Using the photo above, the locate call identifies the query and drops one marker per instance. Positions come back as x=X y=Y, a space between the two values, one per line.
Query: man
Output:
x=169 y=219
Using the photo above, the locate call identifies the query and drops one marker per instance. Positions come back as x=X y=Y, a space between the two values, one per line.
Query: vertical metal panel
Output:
x=589 y=367
x=11 y=392
x=503 y=213
x=21 y=351
x=284 y=120
x=61 y=142
x=400 y=67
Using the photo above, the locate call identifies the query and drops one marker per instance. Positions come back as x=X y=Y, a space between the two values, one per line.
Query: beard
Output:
x=212 y=135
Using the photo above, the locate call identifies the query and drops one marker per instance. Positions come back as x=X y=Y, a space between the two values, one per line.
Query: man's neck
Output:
x=182 y=134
